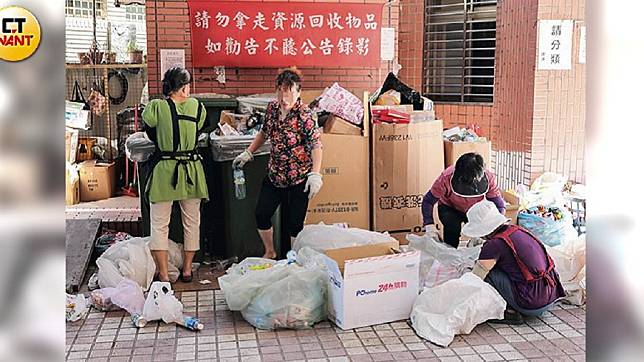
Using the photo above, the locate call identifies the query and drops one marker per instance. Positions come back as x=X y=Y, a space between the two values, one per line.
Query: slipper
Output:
x=512 y=318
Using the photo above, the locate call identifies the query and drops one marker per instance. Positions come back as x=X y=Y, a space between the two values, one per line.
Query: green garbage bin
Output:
x=214 y=103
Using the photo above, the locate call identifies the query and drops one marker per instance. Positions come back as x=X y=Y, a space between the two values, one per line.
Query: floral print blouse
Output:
x=292 y=141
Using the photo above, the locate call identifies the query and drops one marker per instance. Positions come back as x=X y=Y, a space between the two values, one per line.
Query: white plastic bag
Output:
x=162 y=304
x=175 y=260
x=129 y=259
x=324 y=237
x=570 y=263
x=76 y=307
x=439 y=262
x=455 y=307
x=138 y=147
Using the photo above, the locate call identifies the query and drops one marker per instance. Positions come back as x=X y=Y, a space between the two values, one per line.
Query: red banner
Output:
x=278 y=34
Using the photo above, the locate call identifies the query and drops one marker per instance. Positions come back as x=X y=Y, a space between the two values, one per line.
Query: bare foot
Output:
x=270 y=255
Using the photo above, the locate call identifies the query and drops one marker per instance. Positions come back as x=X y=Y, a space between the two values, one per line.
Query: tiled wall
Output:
x=516 y=38
x=168 y=26
x=560 y=103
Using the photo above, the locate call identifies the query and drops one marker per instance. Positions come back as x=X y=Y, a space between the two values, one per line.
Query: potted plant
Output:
x=136 y=54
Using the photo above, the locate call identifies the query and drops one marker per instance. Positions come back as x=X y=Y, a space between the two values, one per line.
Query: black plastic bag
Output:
x=407 y=94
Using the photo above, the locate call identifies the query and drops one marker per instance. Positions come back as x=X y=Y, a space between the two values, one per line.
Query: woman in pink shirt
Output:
x=456 y=190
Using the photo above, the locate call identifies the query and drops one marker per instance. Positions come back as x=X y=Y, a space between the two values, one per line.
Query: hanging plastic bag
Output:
x=570 y=263
x=455 y=307
x=138 y=147
x=161 y=304
x=324 y=237
x=294 y=302
x=129 y=259
x=97 y=101
x=76 y=307
x=439 y=262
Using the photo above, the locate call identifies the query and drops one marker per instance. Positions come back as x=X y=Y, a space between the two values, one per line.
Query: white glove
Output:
x=313 y=184
x=430 y=230
x=242 y=159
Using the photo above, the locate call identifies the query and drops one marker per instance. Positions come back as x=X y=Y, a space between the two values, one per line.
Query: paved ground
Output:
x=558 y=335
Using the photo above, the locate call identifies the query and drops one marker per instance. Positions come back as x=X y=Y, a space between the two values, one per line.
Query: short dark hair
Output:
x=174 y=79
x=468 y=167
x=289 y=77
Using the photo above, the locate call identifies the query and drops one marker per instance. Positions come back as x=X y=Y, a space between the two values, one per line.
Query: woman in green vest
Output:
x=173 y=124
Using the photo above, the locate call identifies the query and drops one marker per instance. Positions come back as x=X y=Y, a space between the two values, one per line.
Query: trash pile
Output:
x=397 y=103
x=339 y=102
x=458 y=134
x=323 y=237
x=544 y=210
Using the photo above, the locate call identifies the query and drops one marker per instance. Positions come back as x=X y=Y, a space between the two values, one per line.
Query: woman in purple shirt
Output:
x=514 y=262
x=456 y=189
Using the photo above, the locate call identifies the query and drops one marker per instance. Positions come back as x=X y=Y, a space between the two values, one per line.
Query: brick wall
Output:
x=168 y=26
x=410 y=42
x=560 y=103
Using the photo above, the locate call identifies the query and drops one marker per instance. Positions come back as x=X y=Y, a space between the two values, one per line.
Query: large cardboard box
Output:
x=371 y=284
x=71 y=144
x=454 y=150
x=407 y=159
x=97 y=180
x=344 y=198
x=72 y=186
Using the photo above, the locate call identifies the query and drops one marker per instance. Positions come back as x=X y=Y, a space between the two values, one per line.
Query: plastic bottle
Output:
x=191 y=323
x=138 y=320
x=240 y=184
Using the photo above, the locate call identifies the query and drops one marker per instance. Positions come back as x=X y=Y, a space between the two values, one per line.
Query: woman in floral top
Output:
x=295 y=160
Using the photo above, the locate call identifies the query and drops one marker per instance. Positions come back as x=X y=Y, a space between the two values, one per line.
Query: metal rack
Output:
x=106 y=124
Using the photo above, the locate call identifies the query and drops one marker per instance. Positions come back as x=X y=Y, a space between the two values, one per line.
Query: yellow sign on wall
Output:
x=19 y=33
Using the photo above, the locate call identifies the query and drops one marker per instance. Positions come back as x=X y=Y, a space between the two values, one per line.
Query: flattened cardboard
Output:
x=454 y=150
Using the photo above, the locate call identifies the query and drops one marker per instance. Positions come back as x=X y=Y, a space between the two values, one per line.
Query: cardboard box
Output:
x=236 y=121
x=71 y=145
x=454 y=150
x=97 y=180
x=85 y=145
x=337 y=125
x=344 y=198
x=72 y=186
x=407 y=159
x=512 y=209
x=371 y=284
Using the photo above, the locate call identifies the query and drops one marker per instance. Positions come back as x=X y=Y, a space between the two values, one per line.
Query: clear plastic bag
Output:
x=455 y=307
x=228 y=147
x=570 y=263
x=76 y=307
x=127 y=295
x=324 y=237
x=240 y=183
x=138 y=147
x=550 y=232
x=439 y=262
x=294 y=302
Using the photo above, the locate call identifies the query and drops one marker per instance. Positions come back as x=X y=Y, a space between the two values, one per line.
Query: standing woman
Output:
x=177 y=175
x=294 y=163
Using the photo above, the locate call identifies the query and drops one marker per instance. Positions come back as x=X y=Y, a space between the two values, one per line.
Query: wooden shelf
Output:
x=105 y=66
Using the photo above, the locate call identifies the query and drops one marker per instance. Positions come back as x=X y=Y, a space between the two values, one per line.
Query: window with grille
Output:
x=459 y=49
x=83 y=8
x=135 y=12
